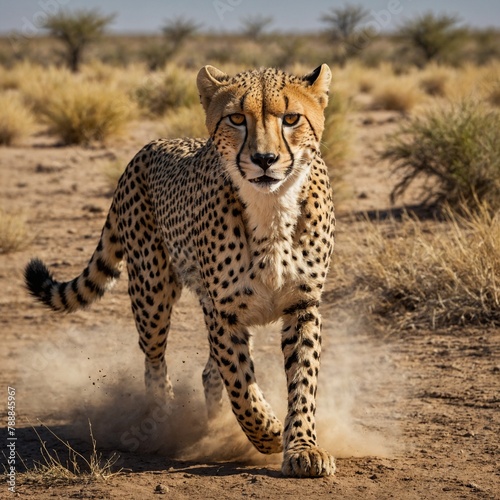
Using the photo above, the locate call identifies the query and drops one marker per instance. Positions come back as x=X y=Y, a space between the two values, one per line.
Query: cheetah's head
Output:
x=266 y=124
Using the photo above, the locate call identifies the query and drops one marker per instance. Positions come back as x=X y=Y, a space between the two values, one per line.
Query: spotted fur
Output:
x=245 y=219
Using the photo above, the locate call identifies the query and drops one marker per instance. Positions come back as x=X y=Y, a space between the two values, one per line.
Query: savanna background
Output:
x=409 y=388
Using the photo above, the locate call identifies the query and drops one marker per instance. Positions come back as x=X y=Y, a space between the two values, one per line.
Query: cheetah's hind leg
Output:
x=213 y=387
x=153 y=292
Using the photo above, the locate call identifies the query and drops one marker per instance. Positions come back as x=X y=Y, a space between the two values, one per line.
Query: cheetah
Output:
x=245 y=219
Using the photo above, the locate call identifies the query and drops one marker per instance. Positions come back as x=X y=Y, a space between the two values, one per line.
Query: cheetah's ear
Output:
x=318 y=82
x=209 y=80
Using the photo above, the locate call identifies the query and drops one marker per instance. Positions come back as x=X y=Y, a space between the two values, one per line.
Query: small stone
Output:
x=160 y=489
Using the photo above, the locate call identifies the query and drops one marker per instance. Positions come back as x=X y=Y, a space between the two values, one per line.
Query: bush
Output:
x=184 y=122
x=434 y=80
x=14 y=235
x=397 y=94
x=434 y=37
x=336 y=140
x=425 y=274
x=15 y=120
x=456 y=150
x=494 y=95
x=82 y=112
x=168 y=90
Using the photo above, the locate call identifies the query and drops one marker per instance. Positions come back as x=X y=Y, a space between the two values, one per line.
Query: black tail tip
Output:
x=38 y=280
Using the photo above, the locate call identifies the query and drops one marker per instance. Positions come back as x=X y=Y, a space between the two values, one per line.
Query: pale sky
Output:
x=146 y=16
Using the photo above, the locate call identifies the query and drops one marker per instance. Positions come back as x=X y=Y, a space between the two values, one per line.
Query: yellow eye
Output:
x=291 y=119
x=237 y=119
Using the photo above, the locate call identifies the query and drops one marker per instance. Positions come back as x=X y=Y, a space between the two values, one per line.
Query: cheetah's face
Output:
x=266 y=125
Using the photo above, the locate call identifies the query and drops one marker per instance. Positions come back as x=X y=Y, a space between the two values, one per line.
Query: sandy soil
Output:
x=410 y=415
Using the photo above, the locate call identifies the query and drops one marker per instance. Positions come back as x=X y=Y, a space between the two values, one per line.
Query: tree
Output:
x=345 y=29
x=433 y=36
x=254 y=26
x=178 y=30
x=175 y=33
x=77 y=30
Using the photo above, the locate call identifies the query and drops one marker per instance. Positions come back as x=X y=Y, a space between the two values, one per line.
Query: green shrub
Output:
x=433 y=37
x=455 y=150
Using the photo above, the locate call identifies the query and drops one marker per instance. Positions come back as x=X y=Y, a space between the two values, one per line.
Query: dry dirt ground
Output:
x=410 y=415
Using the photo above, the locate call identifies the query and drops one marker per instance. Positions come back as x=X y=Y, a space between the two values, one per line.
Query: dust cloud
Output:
x=97 y=375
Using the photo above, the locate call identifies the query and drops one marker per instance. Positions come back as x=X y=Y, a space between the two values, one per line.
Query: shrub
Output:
x=14 y=235
x=82 y=112
x=434 y=80
x=113 y=171
x=434 y=37
x=184 y=122
x=456 y=150
x=494 y=95
x=15 y=120
x=397 y=94
x=168 y=90
x=426 y=274
x=336 y=142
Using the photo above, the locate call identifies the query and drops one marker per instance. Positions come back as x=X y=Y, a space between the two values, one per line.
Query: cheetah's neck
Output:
x=271 y=221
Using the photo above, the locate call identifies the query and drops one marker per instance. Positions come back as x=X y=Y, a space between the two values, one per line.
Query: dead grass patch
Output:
x=165 y=91
x=14 y=234
x=186 y=121
x=82 y=112
x=113 y=171
x=16 y=121
x=397 y=94
x=434 y=80
x=425 y=274
x=76 y=468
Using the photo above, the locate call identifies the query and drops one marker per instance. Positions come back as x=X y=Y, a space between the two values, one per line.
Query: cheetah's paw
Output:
x=309 y=462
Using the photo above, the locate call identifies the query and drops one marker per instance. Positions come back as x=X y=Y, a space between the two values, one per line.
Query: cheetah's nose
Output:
x=264 y=160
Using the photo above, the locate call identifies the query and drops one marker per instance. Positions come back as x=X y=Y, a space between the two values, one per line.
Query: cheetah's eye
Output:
x=237 y=119
x=291 y=119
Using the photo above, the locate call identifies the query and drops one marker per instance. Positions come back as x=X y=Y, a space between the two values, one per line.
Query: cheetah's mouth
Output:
x=264 y=179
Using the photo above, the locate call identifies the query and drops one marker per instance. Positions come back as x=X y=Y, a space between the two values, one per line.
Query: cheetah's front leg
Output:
x=230 y=349
x=301 y=344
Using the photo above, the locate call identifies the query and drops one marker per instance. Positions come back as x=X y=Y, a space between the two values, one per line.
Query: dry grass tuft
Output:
x=494 y=95
x=75 y=469
x=16 y=121
x=397 y=94
x=82 y=112
x=184 y=122
x=113 y=171
x=434 y=80
x=14 y=235
x=336 y=143
x=426 y=274
x=167 y=90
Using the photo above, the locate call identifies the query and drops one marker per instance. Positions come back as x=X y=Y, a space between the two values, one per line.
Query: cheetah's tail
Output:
x=102 y=270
